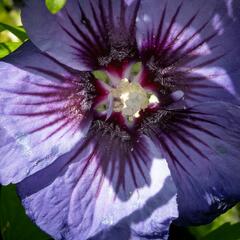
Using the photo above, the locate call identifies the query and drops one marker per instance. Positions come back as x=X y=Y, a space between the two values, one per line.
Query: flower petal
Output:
x=93 y=33
x=79 y=194
x=40 y=112
x=201 y=145
x=192 y=46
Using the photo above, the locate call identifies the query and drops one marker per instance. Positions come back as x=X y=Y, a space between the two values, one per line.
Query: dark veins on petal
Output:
x=173 y=55
x=66 y=101
x=127 y=153
x=104 y=38
x=169 y=58
x=195 y=142
x=162 y=125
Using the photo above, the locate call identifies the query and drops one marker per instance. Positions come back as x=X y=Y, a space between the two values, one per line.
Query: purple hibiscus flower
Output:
x=121 y=116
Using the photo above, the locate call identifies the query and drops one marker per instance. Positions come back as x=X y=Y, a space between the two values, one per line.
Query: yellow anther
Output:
x=129 y=98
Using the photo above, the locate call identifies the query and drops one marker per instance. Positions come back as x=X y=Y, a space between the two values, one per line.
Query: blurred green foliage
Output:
x=14 y=224
x=12 y=35
x=225 y=227
x=6 y=48
x=18 y=32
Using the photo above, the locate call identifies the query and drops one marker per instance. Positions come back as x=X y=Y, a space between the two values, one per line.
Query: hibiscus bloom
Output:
x=119 y=117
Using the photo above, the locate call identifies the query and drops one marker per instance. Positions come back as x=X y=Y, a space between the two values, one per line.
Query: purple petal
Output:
x=191 y=45
x=40 y=113
x=201 y=145
x=85 y=34
x=76 y=196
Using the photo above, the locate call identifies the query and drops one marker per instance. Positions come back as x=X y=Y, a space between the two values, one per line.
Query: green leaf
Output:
x=14 y=224
x=225 y=232
x=19 y=32
x=225 y=227
x=8 y=47
x=55 y=5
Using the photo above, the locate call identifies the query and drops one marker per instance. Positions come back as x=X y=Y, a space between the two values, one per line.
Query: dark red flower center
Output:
x=124 y=94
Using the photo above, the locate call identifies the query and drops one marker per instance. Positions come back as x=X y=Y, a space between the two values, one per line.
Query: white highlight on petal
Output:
x=218 y=24
x=146 y=18
x=129 y=2
x=229 y=4
x=190 y=31
x=118 y=210
x=219 y=76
